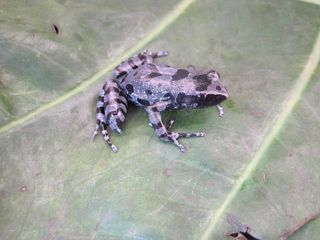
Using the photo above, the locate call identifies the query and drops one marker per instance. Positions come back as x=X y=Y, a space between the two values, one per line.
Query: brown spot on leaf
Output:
x=55 y=28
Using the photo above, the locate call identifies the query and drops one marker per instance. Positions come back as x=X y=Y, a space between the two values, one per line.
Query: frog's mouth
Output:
x=213 y=99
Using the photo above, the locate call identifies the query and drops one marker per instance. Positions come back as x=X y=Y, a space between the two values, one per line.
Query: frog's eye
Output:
x=218 y=88
x=213 y=75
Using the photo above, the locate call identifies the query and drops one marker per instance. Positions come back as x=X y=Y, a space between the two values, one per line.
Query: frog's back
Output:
x=181 y=87
x=146 y=86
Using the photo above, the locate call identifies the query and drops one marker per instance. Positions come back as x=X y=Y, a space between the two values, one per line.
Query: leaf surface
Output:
x=260 y=162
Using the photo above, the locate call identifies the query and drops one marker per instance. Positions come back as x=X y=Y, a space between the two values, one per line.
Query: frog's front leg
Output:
x=186 y=135
x=220 y=109
x=162 y=132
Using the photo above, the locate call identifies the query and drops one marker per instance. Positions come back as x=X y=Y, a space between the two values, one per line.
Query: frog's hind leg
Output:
x=150 y=56
x=161 y=131
x=100 y=111
x=111 y=110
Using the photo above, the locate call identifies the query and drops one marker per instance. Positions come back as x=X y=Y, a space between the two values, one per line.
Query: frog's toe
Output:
x=192 y=134
x=176 y=142
x=170 y=123
x=145 y=51
x=182 y=148
x=119 y=130
x=95 y=132
x=220 y=110
x=114 y=148
x=160 y=54
x=163 y=53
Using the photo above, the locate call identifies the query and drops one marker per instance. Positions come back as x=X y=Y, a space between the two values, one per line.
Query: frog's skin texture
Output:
x=156 y=88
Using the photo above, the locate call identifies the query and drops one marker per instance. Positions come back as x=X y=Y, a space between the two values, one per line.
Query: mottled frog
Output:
x=156 y=88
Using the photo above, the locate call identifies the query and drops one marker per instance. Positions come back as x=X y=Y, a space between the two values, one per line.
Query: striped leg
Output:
x=100 y=111
x=111 y=110
x=106 y=137
x=161 y=130
x=183 y=134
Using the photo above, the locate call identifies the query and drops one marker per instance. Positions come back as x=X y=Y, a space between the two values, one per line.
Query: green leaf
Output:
x=259 y=163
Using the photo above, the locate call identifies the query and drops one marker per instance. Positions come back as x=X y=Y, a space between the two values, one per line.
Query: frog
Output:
x=156 y=88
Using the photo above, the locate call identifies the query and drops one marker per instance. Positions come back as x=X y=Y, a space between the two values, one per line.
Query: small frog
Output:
x=156 y=88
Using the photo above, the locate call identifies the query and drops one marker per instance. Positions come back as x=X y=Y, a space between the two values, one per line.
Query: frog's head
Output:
x=216 y=87
x=212 y=89
x=116 y=118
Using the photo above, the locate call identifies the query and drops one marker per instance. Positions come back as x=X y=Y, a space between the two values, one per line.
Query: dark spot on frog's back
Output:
x=124 y=78
x=148 y=92
x=180 y=74
x=152 y=67
x=143 y=102
x=154 y=74
x=202 y=82
x=129 y=87
x=141 y=57
x=168 y=96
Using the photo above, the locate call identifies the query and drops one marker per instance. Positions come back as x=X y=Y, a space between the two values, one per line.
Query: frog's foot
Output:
x=220 y=109
x=170 y=123
x=160 y=54
x=185 y=134
x=105 y=136
x=107 y=139
x=191 y=134
x=95 y=132
x=161 y=130
x=173 y=136
x=156 y=54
